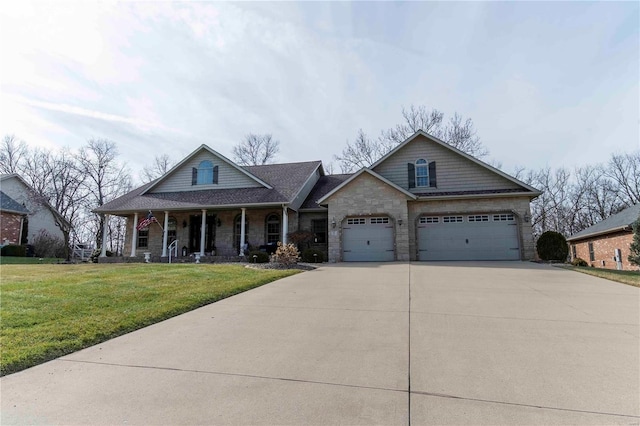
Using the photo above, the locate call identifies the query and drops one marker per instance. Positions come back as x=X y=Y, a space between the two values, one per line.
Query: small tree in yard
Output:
x=552 y=246
x=634 y=248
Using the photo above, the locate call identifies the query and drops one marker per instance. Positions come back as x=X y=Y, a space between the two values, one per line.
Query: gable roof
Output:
x=324 y=185
x=9 y=205
x=285 y=181
x=204 y=147
x=534 y=192
x=372 y=173
x=42 y=200
x=621 y=221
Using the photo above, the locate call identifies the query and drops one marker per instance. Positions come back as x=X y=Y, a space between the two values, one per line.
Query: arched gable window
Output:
x=272 y=228
x=422 y=172
x=206 y=173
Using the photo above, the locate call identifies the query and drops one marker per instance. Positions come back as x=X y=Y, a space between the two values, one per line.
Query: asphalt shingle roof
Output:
x=8 y=204
x=325 y=185
x=286 y=181
x=615 y=222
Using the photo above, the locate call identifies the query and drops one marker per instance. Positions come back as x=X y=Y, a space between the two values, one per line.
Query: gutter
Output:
x=191 y=208
x=598 y=233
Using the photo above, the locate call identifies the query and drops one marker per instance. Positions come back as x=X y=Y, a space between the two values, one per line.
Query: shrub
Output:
x=300 y=238
x=308 y=256
x=286 y=254
x=634 y=248
x=96 y=254
x=552 y=246
x=13 y=250
x=47 y=245
x=260 y=257
x=579 y=262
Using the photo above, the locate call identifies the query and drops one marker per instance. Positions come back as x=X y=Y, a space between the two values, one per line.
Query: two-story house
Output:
x=424 y=200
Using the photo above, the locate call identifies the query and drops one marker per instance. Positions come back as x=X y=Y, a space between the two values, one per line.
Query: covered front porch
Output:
x=207 y=232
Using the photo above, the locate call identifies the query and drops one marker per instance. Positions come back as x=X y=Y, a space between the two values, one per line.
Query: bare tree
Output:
x=161 y=165
x=105 y=177
x=457 y=132
x=256 y=150
x=12 y=152
x=624 y=170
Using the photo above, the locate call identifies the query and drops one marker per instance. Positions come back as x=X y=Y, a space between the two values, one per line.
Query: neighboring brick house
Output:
x=42 y=216
x=606 y=244
x=12 y=216
x=425 y=200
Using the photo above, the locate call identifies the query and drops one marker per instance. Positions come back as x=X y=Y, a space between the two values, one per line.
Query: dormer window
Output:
x=422 y=173
x=205 y=174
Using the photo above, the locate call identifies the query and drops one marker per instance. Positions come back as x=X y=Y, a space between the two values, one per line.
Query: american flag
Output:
x=148 y=221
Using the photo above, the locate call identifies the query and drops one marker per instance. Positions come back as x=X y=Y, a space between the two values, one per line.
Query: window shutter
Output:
x=432 y=174
x=215 y=174
x=411 y=175
x=194 y=176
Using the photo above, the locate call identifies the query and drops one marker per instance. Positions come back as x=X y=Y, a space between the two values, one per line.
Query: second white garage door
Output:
x=367 y=239
x=468 y=237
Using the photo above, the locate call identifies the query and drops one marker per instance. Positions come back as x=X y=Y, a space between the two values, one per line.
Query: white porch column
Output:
x=105 y=229
x=134 y=235
x=242 y=231
x=285 y=224
x=165 y=234
x=203 y=228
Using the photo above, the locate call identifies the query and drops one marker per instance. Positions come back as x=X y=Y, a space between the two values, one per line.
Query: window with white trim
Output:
x=143 y=237
x=479 y=218
x=507 y=217
x=422 y=172
x=452 y=219
x=273 y=228
x=375 y=220
x=356 y=221
x=429 y=219
x=205 y=172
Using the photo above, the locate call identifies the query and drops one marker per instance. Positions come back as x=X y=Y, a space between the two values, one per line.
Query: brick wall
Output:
x=10 y=227
x=603 y=249
x=367 y=195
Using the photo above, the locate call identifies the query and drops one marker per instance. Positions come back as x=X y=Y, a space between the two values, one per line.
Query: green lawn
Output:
x=12 y=260
x=47 y=311
x=625 y=277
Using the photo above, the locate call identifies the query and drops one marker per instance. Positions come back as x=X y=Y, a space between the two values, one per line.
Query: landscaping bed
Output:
x=626 y=277
x=52 y=310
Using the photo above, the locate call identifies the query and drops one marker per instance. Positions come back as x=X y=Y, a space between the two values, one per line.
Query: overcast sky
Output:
x=546 y=83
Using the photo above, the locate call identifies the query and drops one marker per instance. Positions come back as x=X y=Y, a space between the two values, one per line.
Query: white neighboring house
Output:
x=42 y=215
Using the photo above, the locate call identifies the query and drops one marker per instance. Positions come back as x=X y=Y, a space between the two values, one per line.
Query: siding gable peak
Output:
x=203 y=150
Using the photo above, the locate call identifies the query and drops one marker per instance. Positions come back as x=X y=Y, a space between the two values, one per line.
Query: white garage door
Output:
x=367 y=239
x=468 y=237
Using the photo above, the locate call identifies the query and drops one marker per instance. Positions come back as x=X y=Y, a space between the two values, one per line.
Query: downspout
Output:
x=21 y=227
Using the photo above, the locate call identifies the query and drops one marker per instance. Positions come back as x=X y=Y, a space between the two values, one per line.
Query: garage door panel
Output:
x=475 y=237
x=368 y=240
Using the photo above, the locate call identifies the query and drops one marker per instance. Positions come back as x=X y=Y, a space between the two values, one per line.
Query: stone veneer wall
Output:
x=366 y=196
x=224 y=240
x=517 y=206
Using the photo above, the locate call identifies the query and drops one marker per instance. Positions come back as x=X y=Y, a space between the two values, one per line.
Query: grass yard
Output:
x=47 y=311
x=625 y=277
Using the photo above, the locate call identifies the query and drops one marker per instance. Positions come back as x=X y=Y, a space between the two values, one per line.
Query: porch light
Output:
x=184 y=223
x=527 y=218
x=218 y=222
x=333 y=222
x=400 y=222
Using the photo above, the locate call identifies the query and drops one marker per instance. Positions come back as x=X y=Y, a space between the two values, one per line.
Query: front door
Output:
x=195 y=223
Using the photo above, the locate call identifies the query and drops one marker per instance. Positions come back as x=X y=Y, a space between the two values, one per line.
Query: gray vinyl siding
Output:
x=306 y=189
x=454 y=172
x=228 y=176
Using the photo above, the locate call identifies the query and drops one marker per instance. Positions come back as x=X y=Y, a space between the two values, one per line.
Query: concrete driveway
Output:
x=422 y=343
